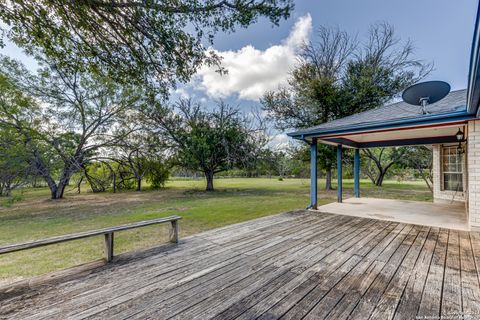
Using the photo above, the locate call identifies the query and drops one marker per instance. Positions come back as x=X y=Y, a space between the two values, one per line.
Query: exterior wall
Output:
x=473 y=160
x=440 y=195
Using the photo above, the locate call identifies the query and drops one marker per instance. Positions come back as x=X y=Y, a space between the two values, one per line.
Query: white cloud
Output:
x=279 y=141
x=182 y=93
x=251 y=72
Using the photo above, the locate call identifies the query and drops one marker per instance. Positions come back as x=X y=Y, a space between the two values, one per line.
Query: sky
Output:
x=259 y=58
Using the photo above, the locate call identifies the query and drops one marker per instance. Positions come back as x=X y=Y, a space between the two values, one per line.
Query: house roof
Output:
x=454 y=102
x=460 y=105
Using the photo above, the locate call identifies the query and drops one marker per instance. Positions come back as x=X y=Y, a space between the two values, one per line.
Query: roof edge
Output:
x=437 y=118
x=473 y=89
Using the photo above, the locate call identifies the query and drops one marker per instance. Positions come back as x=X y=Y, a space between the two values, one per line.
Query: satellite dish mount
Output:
x=424 y=93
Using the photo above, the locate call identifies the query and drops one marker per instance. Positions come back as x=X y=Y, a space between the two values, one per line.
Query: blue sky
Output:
x=259 y=58
x=441 y=30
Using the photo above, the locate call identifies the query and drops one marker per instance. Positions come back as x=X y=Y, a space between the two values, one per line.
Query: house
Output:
x=450 y=127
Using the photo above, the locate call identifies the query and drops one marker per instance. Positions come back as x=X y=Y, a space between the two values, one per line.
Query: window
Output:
x=452 y=168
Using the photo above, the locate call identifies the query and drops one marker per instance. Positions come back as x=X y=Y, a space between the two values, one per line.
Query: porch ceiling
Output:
x=421 y=135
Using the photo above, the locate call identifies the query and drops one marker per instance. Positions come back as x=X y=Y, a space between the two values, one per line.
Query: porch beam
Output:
x=356 y=173
x=313 y=174
x=339 y=173
x=393 y=143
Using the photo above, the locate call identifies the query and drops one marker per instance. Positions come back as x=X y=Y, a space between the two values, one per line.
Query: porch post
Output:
x=313 y=174
x=339 y=173
x=356 y=173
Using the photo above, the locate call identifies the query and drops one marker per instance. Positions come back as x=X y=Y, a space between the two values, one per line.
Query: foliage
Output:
x=99 y=175
x=11 y=200
x=14 y=167
x=208 y=141
x=379 y=160
x=150 y=41
x=157 y=173
x=70 y=115
x=420 y=159
x=138 y=153
x=338 y=77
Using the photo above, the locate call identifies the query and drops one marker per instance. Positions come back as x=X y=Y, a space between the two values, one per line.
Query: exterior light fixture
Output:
x=460 y=136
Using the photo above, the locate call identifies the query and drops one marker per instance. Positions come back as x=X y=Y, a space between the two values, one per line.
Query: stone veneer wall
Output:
x=473 y=160
x=440 y=195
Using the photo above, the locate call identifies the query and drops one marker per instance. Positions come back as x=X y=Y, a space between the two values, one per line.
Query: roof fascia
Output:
x=432 y=119
x=473 y=92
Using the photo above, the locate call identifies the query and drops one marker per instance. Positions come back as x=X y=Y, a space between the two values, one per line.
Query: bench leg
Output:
x=109 y=247
x=174 y=232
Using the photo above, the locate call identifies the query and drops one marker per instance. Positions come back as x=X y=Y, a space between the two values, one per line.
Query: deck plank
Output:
x=452 y=290
x=431 y=300
x=300 y=264
x=469 y=278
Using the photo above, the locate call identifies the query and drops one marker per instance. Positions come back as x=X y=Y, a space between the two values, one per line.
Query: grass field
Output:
x=235 y=200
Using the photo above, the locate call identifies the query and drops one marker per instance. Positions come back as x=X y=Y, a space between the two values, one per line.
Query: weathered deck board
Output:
x=291 y=266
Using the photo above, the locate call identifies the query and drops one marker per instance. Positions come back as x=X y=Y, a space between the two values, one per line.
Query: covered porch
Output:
x=399 y=124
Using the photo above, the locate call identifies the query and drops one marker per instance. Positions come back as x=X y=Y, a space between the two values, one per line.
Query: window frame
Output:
x=442 y=167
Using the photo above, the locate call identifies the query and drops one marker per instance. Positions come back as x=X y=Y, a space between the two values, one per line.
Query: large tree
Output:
x=14 y=167
x=157 y=42
x=337 y=76
x=66 y=118
x=209 y=141
x=379 y=160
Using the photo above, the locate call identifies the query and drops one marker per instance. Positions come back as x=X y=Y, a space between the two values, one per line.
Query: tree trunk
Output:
x=209 y=177
x=380 y=178
x=139 y=184
x=328 y=179
x=59 y=188
x=79 y=185
x=114 y=182
x=57 y=193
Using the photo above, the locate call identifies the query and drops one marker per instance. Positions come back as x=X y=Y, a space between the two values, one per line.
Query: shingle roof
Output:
x=454 y=101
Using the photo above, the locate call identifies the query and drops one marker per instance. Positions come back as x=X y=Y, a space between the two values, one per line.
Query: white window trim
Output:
x=442 y=172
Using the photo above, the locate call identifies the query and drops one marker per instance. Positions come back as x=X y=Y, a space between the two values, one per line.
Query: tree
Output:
x=337 y=77
x=142 y=153
x=161 y=41
x=100 y=175
x=420 y=158
x=158 y=172
x=65 y=117
x=14 y=167
x=379 y=160
x=207 y=141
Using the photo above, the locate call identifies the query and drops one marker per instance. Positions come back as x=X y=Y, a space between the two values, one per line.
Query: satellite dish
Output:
x=424 y=93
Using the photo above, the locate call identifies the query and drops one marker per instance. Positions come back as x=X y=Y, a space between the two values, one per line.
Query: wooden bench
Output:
x=107 y=232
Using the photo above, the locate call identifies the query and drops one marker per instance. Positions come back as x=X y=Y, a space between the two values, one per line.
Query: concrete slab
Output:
x=443 y=215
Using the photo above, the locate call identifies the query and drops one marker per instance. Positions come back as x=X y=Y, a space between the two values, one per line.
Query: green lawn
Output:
x=235 y=200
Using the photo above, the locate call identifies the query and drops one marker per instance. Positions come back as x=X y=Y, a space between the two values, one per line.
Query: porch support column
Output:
x=313 y=174
x=356 y=173
x=339 y=173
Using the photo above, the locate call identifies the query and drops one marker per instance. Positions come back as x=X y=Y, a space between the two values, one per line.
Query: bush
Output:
x=99 y=176
x=157 y=174
x=9 y=201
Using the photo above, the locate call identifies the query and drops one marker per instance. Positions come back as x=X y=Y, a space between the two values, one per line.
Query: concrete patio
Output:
x=298 y=265
x=442 y=215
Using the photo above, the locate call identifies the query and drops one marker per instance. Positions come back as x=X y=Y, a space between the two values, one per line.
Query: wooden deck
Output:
x=290 y=266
